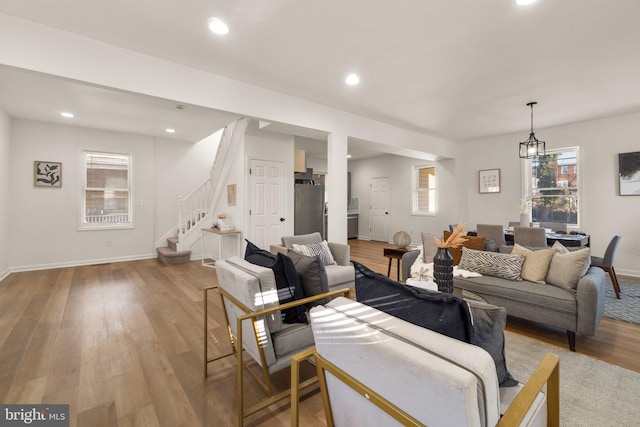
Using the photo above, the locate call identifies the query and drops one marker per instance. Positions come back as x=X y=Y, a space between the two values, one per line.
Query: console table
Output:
x=224 y=240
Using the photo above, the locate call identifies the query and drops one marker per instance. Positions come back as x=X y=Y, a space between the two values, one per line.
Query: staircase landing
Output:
x=170 y=255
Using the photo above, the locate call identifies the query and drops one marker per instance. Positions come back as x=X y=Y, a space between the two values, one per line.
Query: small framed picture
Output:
x=47 y=174
x=489 y=181
x=231 y=194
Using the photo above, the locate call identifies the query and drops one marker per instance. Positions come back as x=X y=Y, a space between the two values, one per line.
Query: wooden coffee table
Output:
x=395 y=252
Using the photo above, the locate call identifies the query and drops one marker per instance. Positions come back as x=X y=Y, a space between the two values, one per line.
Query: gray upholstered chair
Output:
x=249 y=298
x=554 y=226
x=339 y=275
x=452 y=227
x=492 y=232
x=529 y=236
x=606 y=262
x=514 y=223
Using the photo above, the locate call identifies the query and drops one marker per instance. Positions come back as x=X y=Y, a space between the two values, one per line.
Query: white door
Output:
x=267 y=202
x=379 y=209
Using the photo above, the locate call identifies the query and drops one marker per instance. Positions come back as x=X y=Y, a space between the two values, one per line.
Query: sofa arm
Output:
x=590 y=299
x=408 y=258
x=341 y=253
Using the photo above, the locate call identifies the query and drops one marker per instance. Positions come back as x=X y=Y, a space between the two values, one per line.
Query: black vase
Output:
x=443 y=270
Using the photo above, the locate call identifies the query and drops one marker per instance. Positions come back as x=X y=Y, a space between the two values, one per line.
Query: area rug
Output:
x=592 y=393
x=627 y=308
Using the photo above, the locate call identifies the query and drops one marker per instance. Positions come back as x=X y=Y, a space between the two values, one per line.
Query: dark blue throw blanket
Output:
x=442 y=313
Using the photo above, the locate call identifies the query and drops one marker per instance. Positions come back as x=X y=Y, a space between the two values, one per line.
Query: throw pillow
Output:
x=442 y=313
x=287 y=281
x=313 y=276
x=321 y=249
x=562 y=249
x=492 y=263
x=473 y=242
x=536 y=263
x=429 y=247
x=488 y=330
x=566 y=269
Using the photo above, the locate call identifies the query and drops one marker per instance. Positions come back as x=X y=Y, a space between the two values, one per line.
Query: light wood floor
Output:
x=122 y=345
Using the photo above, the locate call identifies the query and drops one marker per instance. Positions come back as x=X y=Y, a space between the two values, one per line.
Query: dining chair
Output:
x=554 y=226
x=452 y=227
x=606 y=262
x=490 y=231
x=530 y=236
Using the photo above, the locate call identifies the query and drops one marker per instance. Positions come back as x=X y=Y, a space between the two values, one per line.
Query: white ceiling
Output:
x=457 y=69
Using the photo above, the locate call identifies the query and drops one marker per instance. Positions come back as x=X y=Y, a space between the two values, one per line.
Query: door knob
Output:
x=281 y=219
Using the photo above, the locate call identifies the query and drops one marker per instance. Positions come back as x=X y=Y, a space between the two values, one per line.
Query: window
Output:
x=424 y=189
x=106 y=193
x=552 y=186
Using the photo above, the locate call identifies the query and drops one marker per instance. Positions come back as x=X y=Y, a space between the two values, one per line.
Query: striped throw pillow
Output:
x=492 y=263
x=317 y=249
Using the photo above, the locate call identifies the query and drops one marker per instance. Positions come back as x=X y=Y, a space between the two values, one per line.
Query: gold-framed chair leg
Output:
x=206 y=358
x=296 y=359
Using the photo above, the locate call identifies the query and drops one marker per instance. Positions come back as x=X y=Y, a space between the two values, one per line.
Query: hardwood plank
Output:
x=122 y=345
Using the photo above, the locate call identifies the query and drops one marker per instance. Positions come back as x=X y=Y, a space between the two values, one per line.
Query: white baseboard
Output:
x=4 y=274
x=81 y=263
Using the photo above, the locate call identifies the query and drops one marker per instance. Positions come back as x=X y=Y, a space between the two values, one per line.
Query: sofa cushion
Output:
x=320 y=249
x=312 y=274
x=566 y=269
x=472 y=242
x=492 y=263
x=292 y=339
x=562 y=249
x=536 y=263
x=287 y=281
x=488 y=330
x=429 y=247
x=443 y=313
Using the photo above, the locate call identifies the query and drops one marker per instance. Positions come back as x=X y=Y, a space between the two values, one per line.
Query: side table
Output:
x=395 y=252
x=210 y=261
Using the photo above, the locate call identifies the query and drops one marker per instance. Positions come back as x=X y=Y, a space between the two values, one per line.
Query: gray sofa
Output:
x=579 y=312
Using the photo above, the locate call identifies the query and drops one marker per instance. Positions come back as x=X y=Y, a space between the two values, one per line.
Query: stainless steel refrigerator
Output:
x=309 y=215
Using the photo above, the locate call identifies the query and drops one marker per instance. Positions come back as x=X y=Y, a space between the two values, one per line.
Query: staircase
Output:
x=195 y=211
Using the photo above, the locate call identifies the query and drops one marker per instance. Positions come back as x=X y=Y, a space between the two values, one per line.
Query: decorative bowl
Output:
x=402 y=239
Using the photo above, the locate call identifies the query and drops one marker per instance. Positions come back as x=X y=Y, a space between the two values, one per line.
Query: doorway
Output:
x=379 y=200
x=268 y=202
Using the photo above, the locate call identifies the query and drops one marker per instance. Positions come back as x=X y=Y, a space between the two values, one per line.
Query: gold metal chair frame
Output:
x=236 y=344
x=547 y=372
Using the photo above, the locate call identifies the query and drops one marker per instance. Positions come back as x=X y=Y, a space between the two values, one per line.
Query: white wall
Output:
x=44 y=221
x=603 y=211
x=5 y=192
x=399 y=170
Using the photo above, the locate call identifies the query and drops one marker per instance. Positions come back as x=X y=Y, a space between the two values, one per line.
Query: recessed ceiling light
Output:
x=169 y=130
x=67 y=115
x=217 y=26
x=352 y=79
x=525 y=2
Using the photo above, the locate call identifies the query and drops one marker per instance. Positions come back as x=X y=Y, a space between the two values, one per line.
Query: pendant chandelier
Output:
x=532 y=147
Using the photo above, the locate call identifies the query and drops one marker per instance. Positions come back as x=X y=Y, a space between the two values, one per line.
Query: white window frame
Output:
x=527 y=188
x=433 y=191
x=83 y=224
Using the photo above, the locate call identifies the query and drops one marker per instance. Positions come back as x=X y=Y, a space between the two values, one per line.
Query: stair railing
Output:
x=196 y=208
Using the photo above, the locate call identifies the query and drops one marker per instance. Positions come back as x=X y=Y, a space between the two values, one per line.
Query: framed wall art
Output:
x=489 y=181
x=629 y=172
x=231 y=194
x=47 y=174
